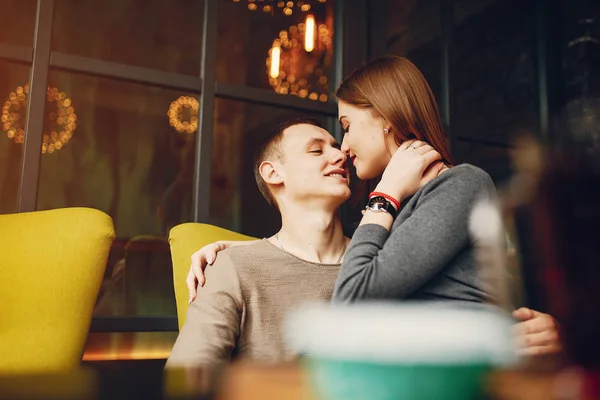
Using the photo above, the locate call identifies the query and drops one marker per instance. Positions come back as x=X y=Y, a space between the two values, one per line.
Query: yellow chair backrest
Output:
x=51 y=268
x=185 y=240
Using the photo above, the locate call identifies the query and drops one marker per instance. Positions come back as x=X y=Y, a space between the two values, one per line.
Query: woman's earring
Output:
x=386 y=130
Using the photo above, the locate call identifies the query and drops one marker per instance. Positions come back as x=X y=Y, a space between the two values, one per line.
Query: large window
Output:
x=153 y=110
x=133 y=92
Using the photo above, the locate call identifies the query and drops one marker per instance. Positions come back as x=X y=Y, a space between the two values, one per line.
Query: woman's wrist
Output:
x=394 y=192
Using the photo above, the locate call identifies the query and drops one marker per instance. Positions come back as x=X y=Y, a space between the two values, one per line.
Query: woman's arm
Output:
x=380 y=264
x=207 y=256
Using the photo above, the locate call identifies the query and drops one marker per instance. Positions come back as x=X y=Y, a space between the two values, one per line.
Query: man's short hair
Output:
x=270 y=148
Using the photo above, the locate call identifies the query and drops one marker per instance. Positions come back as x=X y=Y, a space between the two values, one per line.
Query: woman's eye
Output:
x=319 y=151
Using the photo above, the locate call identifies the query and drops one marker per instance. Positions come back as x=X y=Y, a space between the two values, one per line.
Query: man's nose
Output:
x=339 y=157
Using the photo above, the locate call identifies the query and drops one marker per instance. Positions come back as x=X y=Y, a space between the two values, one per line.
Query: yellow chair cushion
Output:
x=185 y=240
x=51 y=268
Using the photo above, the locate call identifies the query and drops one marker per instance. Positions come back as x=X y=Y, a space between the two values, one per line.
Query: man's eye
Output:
x=346 y=128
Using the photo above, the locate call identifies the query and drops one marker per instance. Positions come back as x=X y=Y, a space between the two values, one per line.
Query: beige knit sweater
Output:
x=240 y=310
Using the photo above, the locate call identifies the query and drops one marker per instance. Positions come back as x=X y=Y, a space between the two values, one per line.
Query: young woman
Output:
x=413 y=240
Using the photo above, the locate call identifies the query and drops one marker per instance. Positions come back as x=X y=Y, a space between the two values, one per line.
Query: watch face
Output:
x=377 y=200
x=381 y=204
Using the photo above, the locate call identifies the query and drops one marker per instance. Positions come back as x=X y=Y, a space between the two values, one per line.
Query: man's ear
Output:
x=271 y=172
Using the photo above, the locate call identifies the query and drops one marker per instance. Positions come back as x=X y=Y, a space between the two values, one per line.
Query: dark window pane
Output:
x=246 y=38
x=129 y=346
x=493 y=77
x=163 y=35
x=578 y=85
x=235 y=201
x=124 y=158
x=414 y=32
x=18 y=21
x=13 y=89
x=495 y=160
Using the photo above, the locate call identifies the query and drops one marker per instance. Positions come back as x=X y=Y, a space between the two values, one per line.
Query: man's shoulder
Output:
x=249 y=256
x=260 y=248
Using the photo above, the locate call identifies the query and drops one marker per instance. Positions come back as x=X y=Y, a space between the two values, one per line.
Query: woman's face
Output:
x=364 y=139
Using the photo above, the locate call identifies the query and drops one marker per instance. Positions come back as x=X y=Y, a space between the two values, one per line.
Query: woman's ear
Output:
x=271 y=172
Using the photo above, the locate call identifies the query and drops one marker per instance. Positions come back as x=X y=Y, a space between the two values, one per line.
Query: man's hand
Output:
x=537 y=333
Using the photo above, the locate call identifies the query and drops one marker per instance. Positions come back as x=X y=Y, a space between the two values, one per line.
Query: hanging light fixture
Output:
x=286 y=7
x=298 y=60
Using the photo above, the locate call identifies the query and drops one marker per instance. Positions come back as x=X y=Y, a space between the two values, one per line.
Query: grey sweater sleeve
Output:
x=422 y=242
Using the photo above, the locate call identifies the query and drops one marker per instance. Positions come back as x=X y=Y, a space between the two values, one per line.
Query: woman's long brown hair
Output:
x=398 y=91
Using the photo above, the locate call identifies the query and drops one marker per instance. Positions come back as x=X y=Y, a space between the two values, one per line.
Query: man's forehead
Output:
x=302 y=134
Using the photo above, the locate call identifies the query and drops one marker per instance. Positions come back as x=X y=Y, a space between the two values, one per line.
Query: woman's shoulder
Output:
x=464 y=180
x=467 y=174
x=468 y=170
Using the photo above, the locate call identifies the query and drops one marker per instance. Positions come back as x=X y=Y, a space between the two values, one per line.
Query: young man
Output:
x=302 y=172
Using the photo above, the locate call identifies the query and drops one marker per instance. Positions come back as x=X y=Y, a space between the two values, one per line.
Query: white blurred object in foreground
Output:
x=403 y=333
x=490 y=242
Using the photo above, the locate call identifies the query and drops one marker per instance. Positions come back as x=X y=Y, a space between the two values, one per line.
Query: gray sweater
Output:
x=428 y=253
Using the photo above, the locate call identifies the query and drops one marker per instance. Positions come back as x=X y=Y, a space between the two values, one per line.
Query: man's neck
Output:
x=312 y=234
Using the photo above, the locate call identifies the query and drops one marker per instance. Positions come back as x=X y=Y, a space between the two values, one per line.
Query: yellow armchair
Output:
x=185 y=240
x=51 y=268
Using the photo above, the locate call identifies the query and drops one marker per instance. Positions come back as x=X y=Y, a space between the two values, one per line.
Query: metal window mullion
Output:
x=338 y=48
x=270 y=98
x=16 y=53
x=447 y=22
x=34 y=123
x=202 y=164
x=541 y=44
x=124 y=72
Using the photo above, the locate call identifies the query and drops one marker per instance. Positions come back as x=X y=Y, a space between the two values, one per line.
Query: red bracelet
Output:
x=389 y=198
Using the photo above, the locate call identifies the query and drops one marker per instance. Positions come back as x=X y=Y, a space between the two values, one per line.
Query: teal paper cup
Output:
x=400 y=351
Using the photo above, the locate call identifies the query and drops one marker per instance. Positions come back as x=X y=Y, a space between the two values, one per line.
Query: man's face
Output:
x=313 y=166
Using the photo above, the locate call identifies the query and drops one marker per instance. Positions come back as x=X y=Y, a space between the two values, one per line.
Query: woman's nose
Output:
x=345 y=147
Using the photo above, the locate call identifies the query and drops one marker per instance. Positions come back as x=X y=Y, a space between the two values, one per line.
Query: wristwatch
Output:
x=381 y=204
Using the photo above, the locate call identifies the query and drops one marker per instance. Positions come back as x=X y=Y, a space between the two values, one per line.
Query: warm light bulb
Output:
x=309 y=34
x=275 y=60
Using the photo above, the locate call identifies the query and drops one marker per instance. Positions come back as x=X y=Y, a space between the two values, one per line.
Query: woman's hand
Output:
x=203 y=257
x=413 y=165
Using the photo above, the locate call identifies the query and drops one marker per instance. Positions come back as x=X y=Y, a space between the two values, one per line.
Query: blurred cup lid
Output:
x=402 y=333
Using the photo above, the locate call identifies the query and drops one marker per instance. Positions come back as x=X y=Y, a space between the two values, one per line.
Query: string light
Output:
x=63 y=121
x=183 y=114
